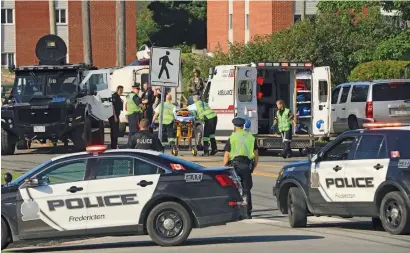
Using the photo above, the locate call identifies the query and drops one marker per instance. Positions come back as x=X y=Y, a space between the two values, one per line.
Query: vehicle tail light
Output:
x=395 y=154
x=235 y=203
x=259 y=80
x=369 y=110
x=260 y=95
x=224 y=180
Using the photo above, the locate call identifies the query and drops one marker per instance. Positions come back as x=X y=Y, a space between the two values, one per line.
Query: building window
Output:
x=7 y=59
x=247 y=21
x=296 y=18
x=7 y=16
x=230 y=21
x=61 y=16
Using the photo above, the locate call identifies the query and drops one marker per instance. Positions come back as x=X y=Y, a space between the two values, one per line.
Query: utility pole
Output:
x=120 y=32
x=52 y=15
x=85 y=14
x=302 y=16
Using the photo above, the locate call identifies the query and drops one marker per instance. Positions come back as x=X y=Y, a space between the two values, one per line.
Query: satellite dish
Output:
x=51 y=50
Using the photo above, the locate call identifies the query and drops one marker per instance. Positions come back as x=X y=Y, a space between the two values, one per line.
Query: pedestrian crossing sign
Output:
x=165 y=66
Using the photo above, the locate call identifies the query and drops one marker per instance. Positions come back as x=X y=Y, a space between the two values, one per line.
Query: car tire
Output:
x=8 y=147
x=4 y=235
x=297 y=208
x=393 y=205
x=176 y=216
x=377 y=224
x=352 y=122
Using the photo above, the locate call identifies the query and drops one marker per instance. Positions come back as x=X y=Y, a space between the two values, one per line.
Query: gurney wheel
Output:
x=174 y=151
x=194 y=152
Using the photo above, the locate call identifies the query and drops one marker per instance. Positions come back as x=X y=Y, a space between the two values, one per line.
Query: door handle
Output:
x=378 y=166
x=337 y=168
x=343 y=109
x=333 y=109
x=74 y=189
x=144 y=183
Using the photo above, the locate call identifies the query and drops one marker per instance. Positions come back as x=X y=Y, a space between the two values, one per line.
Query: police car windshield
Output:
x=184 y=163
x=35 y=83
x=30 y=173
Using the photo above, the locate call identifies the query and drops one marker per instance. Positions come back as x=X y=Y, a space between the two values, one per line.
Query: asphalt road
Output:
x=268 y=231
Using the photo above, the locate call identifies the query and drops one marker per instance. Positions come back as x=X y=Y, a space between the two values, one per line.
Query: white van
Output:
x=355 y=103
x=129 y=75
x=251 y=91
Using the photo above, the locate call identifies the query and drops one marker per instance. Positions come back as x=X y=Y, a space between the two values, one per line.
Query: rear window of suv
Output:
x=391 y=91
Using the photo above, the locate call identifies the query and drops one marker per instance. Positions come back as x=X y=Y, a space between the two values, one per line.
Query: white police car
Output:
x=118 y=192
x=362 y=173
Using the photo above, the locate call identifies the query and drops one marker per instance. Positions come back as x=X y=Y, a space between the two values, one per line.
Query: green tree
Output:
x=145 y=26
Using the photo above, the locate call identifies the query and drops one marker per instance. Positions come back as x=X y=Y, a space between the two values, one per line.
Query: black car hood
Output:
x=299 y=166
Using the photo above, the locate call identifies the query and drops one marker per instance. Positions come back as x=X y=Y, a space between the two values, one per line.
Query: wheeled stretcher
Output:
x=185 y=131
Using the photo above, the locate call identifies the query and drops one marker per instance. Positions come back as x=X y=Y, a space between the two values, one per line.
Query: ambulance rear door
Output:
x=245 y=101
x=321 y=90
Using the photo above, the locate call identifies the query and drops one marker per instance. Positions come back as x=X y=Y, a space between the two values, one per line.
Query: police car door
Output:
x=245 y=95
x=366 y=172
x=97 y=83
x=124 y=184
x=56 y=206
x=327 y=176
x=321 y=90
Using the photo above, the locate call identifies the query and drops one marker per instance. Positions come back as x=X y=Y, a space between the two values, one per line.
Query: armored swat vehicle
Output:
x=55 y=101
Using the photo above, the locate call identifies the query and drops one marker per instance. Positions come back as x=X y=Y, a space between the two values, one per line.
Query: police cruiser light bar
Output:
x=285 y=64
x=390 y=124
x=96 y=149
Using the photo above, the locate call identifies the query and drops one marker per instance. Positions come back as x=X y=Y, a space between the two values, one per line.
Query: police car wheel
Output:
x=394 y=214
x=169 y=224
x=4 y=235
x=297 y=209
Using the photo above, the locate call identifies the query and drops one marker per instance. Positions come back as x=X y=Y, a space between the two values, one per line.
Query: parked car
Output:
x=355 y=103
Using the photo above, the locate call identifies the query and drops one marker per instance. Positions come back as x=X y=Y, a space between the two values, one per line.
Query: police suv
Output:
x=362 y=173
x=118 y=192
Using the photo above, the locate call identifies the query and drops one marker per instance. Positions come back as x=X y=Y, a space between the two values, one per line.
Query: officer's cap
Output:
x=238 y=122
x=136 y=85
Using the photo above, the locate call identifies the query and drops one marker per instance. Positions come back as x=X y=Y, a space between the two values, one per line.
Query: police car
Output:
x=362 y=173
x=118 y=192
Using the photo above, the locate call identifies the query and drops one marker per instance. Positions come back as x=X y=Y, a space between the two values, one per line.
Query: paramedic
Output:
x=144 y=139
x=284 y=119
x=133 y=108
x=241 y=151
x=115 y=119
x=209 y=117
x=168 y=119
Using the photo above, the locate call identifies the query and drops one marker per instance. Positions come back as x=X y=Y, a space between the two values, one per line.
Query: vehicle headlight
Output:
x=281 y=172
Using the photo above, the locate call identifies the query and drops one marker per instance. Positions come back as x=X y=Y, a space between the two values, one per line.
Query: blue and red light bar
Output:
x=388 y=124
x=286 y=64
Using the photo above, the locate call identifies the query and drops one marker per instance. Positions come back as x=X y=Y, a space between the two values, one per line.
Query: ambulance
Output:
x=137 y=72
x=251 y=91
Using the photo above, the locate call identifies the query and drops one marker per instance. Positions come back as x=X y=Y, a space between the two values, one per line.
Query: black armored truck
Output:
x=55 y=101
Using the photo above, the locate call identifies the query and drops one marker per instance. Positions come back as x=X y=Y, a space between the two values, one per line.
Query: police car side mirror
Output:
x=32 y=182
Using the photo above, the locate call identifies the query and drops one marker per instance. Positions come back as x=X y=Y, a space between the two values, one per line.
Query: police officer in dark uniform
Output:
x=115 y=119
x=144 y=139
x=241 y=152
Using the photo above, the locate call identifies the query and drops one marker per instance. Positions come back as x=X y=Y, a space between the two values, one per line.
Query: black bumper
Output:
x=238 y=213
x=56 y=130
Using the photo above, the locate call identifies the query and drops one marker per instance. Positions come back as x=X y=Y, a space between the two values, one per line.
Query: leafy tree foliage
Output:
x=389 y=69
x=145 y=26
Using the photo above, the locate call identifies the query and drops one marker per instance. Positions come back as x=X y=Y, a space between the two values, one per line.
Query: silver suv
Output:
x=355 y=103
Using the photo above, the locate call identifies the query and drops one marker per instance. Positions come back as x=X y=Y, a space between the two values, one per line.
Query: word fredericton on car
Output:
x=118 y=192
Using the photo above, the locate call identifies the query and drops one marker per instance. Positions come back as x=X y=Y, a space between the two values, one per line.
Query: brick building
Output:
x=24 y=22
x=240 y=20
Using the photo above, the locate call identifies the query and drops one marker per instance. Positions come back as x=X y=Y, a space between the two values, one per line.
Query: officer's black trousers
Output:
x=114 y=130
x=170 y=132
x=286 y=138
x=133 y=120
x=244 y=172
x=209 y=133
